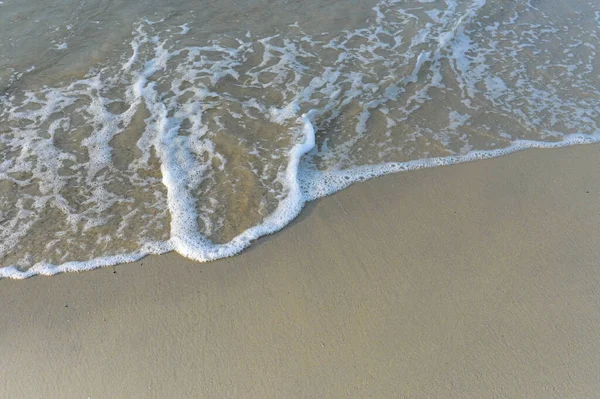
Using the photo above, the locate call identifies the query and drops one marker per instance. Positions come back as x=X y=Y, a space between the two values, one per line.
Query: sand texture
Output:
x=479 y=280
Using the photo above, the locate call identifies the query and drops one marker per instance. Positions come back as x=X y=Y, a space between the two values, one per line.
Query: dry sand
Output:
x=479 y=280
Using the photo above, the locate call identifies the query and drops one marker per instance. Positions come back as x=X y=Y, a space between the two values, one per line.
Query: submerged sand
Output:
x=476 y=280
x=153 y=125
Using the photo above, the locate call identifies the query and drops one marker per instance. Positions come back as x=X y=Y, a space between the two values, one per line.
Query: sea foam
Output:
x=202 y=149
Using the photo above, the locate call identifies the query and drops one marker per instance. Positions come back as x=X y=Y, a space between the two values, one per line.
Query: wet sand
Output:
x=471 y=281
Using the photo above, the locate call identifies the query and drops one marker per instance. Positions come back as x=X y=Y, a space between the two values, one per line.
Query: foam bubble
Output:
x=203 y=149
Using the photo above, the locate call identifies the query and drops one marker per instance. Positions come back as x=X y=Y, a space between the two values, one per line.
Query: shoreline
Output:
x=471 y=280
x=342 y=179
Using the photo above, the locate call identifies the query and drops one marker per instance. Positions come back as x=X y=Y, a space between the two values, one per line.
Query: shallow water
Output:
x=129 y=128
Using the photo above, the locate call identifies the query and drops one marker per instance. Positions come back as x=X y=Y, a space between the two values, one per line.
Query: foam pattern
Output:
x=203 y=146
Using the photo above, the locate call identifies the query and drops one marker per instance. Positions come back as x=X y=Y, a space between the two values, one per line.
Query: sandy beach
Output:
x=477 y=280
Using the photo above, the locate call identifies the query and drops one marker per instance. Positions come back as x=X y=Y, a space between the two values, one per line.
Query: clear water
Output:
x=129 y=128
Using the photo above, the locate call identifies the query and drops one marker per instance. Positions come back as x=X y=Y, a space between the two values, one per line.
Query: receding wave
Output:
x=203 y=145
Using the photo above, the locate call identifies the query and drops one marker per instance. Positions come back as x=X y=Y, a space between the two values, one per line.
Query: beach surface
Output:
x=477 y=280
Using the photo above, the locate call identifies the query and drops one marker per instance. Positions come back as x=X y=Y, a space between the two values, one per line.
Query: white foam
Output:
x=317 y=184
x=374 y=75
x=189 y=243
x=47 y=269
